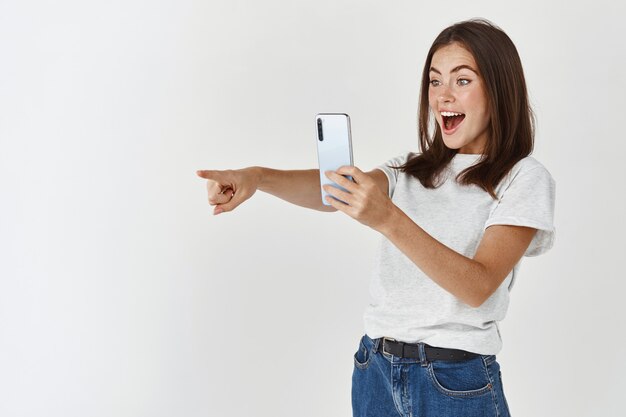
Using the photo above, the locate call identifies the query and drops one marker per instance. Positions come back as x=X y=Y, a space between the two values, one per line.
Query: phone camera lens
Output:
x=320 y=134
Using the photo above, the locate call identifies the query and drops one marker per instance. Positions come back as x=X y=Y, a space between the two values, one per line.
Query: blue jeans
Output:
x=384 y=385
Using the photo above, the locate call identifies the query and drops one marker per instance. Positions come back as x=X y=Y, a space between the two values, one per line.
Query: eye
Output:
x=434 y=83
x=460 y=81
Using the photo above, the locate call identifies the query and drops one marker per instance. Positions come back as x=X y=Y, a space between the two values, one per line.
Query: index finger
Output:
x=208 y=174
x=340 y=180
x=202 y=173
x=352 y=171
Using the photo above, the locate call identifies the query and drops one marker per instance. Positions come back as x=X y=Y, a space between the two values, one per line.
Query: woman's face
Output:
x=455 y=86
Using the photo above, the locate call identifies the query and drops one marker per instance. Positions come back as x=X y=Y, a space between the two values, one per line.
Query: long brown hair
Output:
x=512 y=122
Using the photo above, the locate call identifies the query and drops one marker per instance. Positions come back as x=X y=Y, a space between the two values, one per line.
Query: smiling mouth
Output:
x=451 y=122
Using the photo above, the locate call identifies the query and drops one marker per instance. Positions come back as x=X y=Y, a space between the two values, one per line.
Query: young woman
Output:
x=456 y=220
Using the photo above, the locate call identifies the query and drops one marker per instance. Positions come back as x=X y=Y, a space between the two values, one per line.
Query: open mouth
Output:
x=451 y=120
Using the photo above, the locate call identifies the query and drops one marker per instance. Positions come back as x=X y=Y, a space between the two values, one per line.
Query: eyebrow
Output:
x=455 y=69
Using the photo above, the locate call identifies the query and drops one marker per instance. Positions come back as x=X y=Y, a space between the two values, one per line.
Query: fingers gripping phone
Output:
x=334 y=147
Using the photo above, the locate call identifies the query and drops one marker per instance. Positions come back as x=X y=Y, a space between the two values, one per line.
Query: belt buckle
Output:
x=387 y=338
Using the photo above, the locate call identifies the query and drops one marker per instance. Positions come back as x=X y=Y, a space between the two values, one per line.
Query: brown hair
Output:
x=512 y=122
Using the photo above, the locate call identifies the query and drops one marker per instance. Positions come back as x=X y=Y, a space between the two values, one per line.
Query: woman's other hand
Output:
x=366 y=201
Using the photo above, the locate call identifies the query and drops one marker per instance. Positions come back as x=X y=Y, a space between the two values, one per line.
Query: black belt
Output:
x=411 y=350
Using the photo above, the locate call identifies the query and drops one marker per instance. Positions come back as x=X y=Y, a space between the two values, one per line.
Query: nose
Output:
x=445 y=94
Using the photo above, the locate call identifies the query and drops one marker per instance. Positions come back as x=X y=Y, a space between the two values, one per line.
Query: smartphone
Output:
x=334 y=147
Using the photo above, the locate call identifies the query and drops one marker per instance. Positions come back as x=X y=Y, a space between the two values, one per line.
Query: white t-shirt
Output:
x=405 y=303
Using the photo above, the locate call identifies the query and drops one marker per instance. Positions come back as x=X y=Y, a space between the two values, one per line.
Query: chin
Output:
x=452 y=145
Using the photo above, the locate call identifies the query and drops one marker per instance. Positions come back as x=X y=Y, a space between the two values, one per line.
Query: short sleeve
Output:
x=529 y=201
x=392 y=174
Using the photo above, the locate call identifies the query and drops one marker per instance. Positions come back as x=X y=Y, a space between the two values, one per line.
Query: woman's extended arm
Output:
x=229 y=188
x=299 y=187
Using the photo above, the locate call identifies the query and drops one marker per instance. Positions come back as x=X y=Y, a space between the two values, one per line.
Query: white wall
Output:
x=122 y=295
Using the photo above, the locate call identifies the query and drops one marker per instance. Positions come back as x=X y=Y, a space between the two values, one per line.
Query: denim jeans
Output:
x=384 y=385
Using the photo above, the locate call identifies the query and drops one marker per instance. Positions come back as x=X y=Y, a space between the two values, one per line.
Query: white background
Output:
x=122 y=295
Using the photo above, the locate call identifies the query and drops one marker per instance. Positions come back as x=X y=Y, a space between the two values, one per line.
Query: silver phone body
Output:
x=334 y=147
